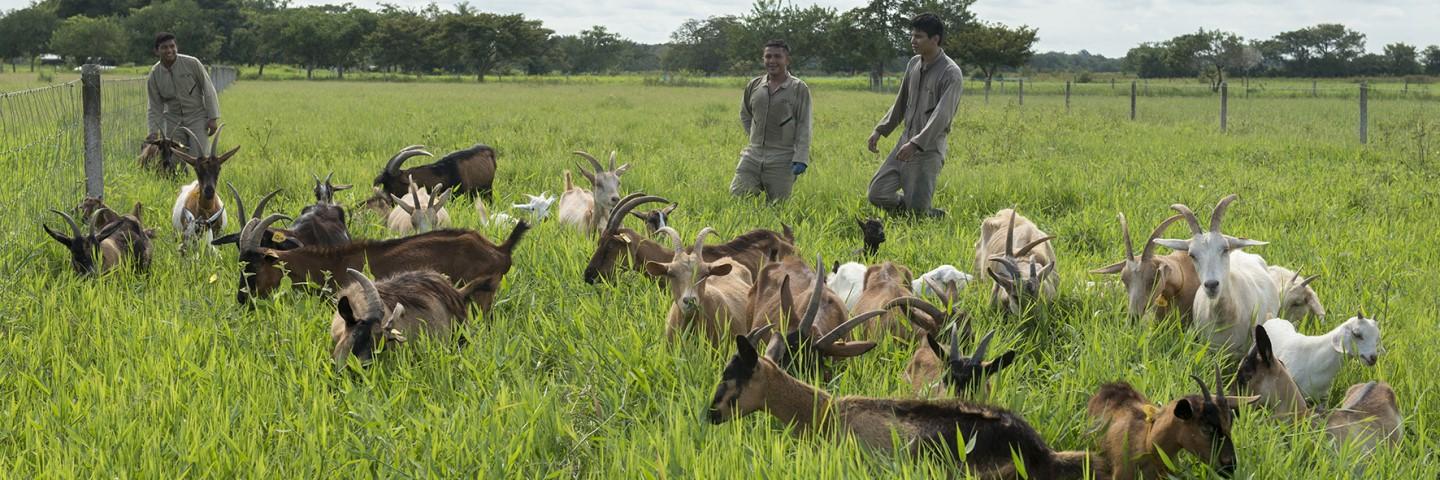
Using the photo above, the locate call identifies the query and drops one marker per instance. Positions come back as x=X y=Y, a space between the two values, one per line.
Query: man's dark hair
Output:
x=163 y=37
x=928 y=23
x=778 y=44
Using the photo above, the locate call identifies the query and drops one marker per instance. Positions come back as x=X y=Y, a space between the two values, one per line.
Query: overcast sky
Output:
x=1108 y=27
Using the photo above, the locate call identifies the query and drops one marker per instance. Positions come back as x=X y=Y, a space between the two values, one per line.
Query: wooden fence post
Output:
x=1022 y=92
x=1364 y=113
x=1224 y=104
x=1132 y=99
x=1067 y=97
x=94 y=156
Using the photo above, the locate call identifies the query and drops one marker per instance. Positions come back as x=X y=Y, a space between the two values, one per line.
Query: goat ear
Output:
x=1110 y=269
x=847 y=349
x=108 y=230
x=1337 y=342
x=669 y=208
x=621 y=171
x=720 y=270
x=346 y=312
x=1232 y=243
x=64 y=240
x=1183 y=409
x=656 y=269
x=637 y=215
x=745 y=351
x=139 y=209
x=1262 y=344
x=1004 y=360
x=1173 y=244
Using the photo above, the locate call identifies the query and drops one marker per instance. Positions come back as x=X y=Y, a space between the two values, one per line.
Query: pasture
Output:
x=164 y=375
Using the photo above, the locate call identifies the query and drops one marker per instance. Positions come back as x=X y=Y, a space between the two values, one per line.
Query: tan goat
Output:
x=1019 y=276
x=711 y=295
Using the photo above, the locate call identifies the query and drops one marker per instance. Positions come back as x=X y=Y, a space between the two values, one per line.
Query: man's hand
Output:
x=906 y=151
x=797 y=168
x=874 y=138
x=210 y=126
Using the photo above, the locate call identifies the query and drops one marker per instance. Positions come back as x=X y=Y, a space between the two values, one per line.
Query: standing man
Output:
x=775 y=111
x=181 y=95
x=926 y=103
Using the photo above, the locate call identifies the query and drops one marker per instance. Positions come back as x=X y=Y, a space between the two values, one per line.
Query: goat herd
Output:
x=749 y=284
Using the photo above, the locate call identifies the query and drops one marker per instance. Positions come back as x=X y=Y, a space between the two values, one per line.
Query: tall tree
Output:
x=955 y=14
x=866 y=39
x=1211 y=54
x=1432 y=60
x=703 y=44
x=482 y=42
x=195 y=32
x=992 y=46
x=26 y=32
x=81 y=37
x=1321 y=50
x=398 y=40
x=1402 y=59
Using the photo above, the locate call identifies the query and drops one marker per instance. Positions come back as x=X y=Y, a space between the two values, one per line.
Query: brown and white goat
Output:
x=710 y=295
x=933 y=367
x=605 y=196
x=456 y=253
x=1369 y=416
x=1265 y=376
x=465 y=172
x=1019 y=276
x=396 y=308
x=114 y=242
x=753 y=383
x=1137 y=433
x=616 y=241
x=884 y=282
x=198 y=212
x=419 y=213
x=1168 y=282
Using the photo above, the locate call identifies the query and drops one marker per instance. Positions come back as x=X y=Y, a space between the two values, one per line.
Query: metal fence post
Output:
x=94 y=156
x=1224 y=104
x=1364 y=112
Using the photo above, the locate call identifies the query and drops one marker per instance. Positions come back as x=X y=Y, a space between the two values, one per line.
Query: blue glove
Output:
x=797 y=168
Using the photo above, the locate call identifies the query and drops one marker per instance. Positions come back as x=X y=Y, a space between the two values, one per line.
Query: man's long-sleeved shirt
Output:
x=926 y=103
x=778 y=121
x=183 y=91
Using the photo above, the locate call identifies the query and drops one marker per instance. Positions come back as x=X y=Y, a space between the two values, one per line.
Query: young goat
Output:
x=420 y=213
x=199 y=214
x=1314 y=361
x=1236 y=291
x=657 y=218
x=1167 y=282
x=751 y=383
x=454 y=253
x=615 y=241
x=932 y=367
x=1137 y=433
x=1020 y=276
x=465 y=172
x=538 y=206
x=1369 y=415
x=885 y=282
x=872 y=232
x=1266 y=376
x=587 y=216
x=944 y=281
x=366 y=311
x=848 y=281
x=1297 y=299
x=123 y=238
x=710 y=294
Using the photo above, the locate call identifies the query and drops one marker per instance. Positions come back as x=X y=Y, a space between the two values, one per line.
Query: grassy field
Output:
x=163 y=375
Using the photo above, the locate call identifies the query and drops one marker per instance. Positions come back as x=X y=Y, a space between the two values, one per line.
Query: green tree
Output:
x=992 y=46
x=81 y=37
x=1402 y=59
x=1210 y=54
x=483 y=42
x=592 y=51
x=866 y=39
x=398 y=40
x=1148 y=60
x=195 y=32
x=803 y=29
x=1322 y=50
x=26 y=32
x=955 y=14
x=703 y=45
x=1432 y=60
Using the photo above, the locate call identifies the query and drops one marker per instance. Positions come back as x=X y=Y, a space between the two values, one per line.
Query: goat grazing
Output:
x=848 y=281
x=711 y=295
x=1266 y=376
x=1168 y=282
x=1297 y=299
x=753 y=383
x=585 y=209
x=121 y=239
x=159 y=154
x=932 y=366
x=199 y=214
x=1314 y=361
x=419 y=213
x=455 y=253
x=657 y=218
x=1369 y=415
x=1020 y=276
x=885 y=282
x=368 y=311
x=944 y=281
x=1236 y=291
x=1138 y=435
x=464 y=172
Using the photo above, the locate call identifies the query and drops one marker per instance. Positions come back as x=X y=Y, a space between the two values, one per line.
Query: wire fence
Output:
x=1239 y=87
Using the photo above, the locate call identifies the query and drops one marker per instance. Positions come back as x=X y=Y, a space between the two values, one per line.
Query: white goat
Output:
x=1235 y=291
x=1314 y=361
x=1020 y=276
x=1297 y=299
x=420 y=213
x=944 y=282
x=487 y=218
x=196 y=230
x=587 y=210
x=848 y=282
x=538 y=206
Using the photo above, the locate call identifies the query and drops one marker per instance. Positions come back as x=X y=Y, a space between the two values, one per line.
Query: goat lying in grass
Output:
x=753 y=383
x=1167 y=282
x=125 y=238
x=1020 y=276
x=945 y=282
x=1137 y=433
x=1297 y=299
x=367 y=312
x=707 y=295
x=1315 y=361
x=933 y=367
x=585 y=209
x=824 y=323
x=419 y=213
x=657 y=218
x=847 y=281
x=885 y=282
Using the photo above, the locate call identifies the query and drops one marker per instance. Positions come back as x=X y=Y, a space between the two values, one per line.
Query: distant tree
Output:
x=1211 y=54
x=398 y=40
x=803 y=29
x=195 y=33
x=992 y=46
x=1322 y=50
x=26 y=32
x=483 y=42
x=93 y=8
x=264 y=38
x=955 y=14
x=1402 y=59
x=1148 y=60
x=595 y=50
x=81 y=37
x=866 y=39
x=1432 y=60
x=703 y=44
x=1082 y=61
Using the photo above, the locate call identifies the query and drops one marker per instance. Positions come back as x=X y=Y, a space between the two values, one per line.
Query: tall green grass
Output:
x=163 y=375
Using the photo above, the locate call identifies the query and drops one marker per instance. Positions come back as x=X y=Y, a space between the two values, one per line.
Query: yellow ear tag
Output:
x=1151 y=411
x=1161 y=302
x=278 y=237
x=213 y=277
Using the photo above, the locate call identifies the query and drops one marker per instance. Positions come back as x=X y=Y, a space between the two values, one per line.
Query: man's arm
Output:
x=745 y=115
x=802 y=127
x=942 y=116
x=155 y=115
x=212 y=100
x=897 y=111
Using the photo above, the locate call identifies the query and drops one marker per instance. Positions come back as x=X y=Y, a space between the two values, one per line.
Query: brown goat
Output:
x=199 y=199
x=708 y=294
x=1137 y=433
x=817 y=337
x=615 y=241
x=932 y=366
x=753 y=383
x=274 y=238
x=464 y=172
x=123 y=238
x=1168 y=282
x=367 y=311
x=455 y=253
x=1019 y=276
x=657 y=218
x=159 y=153
x=885 y=282
x=1369 y=416
x=1264 y=375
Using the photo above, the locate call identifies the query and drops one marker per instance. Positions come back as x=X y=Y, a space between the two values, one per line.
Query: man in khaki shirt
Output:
x=775 y=111
x=181 y=95
x=926 y=103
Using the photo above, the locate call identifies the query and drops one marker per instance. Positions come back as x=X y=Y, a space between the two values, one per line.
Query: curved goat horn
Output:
x=813 y=310
x=1149 y=251
x=1189 y=218
x=1125 y=233
x=194 y=140
x=787 y=302
x=1010 y=235
x=982 y=349
x=239 y=204
x=250 y=235
x=598 y=167
x=843 y=329
x=759 y=332
x=74 y=228
x=215 y=141
x=1204 y=391
x=1025 y=250
x=1219 y=212
x=674 y=238
x=367 y=290
x=700 y=241
x=393 y=166
x=635 y=199
x=916 y=303
x=328 y=176
x=1220 y=391
x=260 y=208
